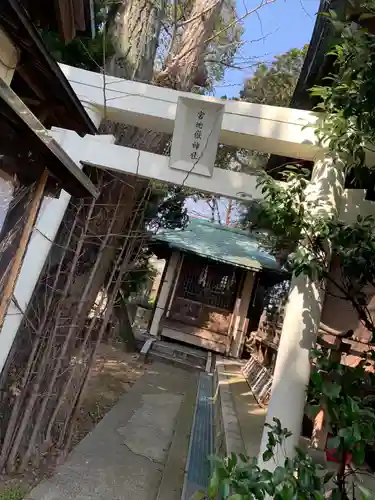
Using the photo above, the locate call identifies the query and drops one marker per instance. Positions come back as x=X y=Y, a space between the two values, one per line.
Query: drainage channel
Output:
x=201 y=440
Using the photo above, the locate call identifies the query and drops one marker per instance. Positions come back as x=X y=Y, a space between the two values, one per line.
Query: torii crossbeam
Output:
x=269 y=129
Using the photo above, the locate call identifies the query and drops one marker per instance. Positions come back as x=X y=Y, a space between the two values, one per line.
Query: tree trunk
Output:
x=134 y=32
x=132 y=47
x=184 y=69
x=125 y=330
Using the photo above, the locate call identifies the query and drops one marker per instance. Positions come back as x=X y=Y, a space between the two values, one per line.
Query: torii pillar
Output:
x=301 y=324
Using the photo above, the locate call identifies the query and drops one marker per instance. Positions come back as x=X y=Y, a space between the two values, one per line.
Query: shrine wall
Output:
x=339 y=314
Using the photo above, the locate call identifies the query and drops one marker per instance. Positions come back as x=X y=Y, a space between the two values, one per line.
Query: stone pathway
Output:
x=126 y=454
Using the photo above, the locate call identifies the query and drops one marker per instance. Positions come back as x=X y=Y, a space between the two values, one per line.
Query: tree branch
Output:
x=232 y=66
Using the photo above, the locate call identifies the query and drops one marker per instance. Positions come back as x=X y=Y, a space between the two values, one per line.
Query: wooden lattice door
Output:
x=204 y=299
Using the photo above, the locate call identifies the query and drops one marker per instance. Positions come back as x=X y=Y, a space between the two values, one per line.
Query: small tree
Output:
x=240 y=477
x=274 y=83
x=296 y=228
x=344 y=393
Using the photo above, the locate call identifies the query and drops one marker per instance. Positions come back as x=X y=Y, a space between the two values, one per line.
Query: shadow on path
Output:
x=123 y=458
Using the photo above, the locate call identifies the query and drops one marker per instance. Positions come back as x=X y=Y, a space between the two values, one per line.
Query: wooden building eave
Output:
x=38 y=143
x=38 y=79
x=67 y=17
x=39 y=97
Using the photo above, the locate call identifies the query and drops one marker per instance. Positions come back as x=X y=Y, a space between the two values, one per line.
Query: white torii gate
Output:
x=263 y=128
x=270 y=129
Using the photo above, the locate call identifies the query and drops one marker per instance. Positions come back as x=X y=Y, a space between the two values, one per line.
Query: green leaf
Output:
x=357 y=430
x=359 y=454
x=347 y=435
x=267 y=455
x=236 y=496
x=267 y=475
x=224 y=489
x=279 y=475
x=199 y=495
x=287 y=492
x=318 y=496
x=366 y=15
x=271 y=439
x=331 y=389
x=328 y=476
x=214 y=483
x=232 y=460
x=365 y=493
x=277 y=424
x=333 y=443
x=316 y=379
x=269 y=488
x=367 y=431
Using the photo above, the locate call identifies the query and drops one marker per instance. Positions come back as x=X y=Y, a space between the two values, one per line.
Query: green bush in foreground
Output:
x=240 y=477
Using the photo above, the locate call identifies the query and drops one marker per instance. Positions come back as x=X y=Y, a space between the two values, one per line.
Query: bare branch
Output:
x=232 y=66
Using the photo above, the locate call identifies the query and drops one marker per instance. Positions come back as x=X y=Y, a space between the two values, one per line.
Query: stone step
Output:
x=175 y=361
x=179 y=352
x=168 y=345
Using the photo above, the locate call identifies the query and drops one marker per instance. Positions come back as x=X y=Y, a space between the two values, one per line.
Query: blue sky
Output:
x=284 y=24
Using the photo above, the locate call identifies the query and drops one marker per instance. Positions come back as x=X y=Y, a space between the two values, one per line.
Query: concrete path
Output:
x=251 y=417
x=125 y=456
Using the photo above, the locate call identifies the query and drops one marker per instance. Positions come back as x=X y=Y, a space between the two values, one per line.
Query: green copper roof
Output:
x=220 y=243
